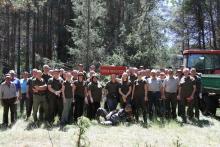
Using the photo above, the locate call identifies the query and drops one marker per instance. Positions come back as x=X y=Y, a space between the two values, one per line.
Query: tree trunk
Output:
x=212 y=24
x=27 y=53
x=218 y=23
x=19 y=44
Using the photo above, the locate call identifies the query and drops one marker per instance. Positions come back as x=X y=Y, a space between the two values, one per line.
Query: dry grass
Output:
x=171 y=134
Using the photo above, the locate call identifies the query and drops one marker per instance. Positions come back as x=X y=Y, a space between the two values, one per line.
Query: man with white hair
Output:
x=186 y=94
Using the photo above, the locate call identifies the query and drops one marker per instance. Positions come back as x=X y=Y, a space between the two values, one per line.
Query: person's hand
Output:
x=64 y=100
x=163 y=97
x=86 y=100
x=178 y=97
x=91 y=99
x=27 y=95
x=124 y=98
x=73 y=100
x=145 y=98
x=36 y=87
x=35 y=90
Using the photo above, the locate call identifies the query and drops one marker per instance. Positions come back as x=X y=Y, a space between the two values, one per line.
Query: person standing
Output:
x=112 y=94
x=80 y=95
x=29 y=93
x=193 y=73
x=139 y=97
x=154 y=86
x=67 y=95
x=54 y=96
x=186 y=94
x=17 y=83
x=94 y=95
x=23 y=100
x=39 y=96
x=8 y=98
x=170 y=88
x=125 y=89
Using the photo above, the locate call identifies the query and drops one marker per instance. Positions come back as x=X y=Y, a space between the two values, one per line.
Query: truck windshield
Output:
x=204 y=61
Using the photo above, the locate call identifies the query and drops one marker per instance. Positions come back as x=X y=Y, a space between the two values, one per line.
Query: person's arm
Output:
x=133 y=89
x=193 y=93
x=129 y=92
x=122 y=94
x=73 y=91
x=146 y=92
x=178 y=96
x=163 y=89
x=86 y=95
x=63 y=93
x=90 y=95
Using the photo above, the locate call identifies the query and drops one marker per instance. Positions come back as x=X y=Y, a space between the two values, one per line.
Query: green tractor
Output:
x=206 y=62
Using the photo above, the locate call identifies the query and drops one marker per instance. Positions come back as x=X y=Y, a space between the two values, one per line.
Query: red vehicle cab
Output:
x=205 y=61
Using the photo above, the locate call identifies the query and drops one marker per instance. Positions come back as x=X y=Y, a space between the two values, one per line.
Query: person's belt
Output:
x=171 y=92
x=153 y=91
x=40 y=94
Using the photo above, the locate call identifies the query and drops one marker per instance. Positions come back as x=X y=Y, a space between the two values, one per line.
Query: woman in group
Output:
x=125 y=89
x=112 y=93
x=94 y=96
x=80 y=94
x=67 y=95
x=139 y=96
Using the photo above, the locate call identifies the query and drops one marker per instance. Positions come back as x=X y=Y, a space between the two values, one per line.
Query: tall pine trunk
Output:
x=27 y=53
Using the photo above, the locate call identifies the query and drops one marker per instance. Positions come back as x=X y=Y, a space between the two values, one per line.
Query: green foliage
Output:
x=83 y=123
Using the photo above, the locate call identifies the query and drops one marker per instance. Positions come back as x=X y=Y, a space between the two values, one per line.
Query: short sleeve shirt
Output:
x=68 y=89
x=124 y=86
x=37 y=82
x=186 y=84
x=46 y=77
x=80 y=88
x=112 y=89
x=96 y=91
x=154 y=84
x=17 y=83
x=139 y=88
x=56 y=84
x=171 y=84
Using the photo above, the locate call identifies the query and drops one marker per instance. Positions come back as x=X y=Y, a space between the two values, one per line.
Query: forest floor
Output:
x=204 y=133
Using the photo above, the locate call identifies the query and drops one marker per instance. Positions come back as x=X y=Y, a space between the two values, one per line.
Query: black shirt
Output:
x=80 y=88
x=46 y=77
x=37 y=82
x=96 y=91
x=68 y=89
x=139 y=88
x=56 y=84
x=112 y=89
x=124 y=86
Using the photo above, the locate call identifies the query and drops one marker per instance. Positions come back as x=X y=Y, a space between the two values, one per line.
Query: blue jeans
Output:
x=112 y=104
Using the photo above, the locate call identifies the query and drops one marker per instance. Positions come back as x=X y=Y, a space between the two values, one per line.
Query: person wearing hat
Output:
x=115 y=117
x=154 y=86
x=54 y=96
x=94 y=96
x=67 y=95
x=80 y=95
x=8 y=98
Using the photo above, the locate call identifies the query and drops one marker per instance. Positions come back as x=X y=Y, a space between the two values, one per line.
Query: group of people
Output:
x=50 y=93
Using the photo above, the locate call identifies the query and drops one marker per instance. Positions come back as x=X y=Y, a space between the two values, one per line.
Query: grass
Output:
x=204 y=133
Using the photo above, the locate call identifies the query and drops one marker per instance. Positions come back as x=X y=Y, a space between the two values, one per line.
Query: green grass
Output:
x=205 y=133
